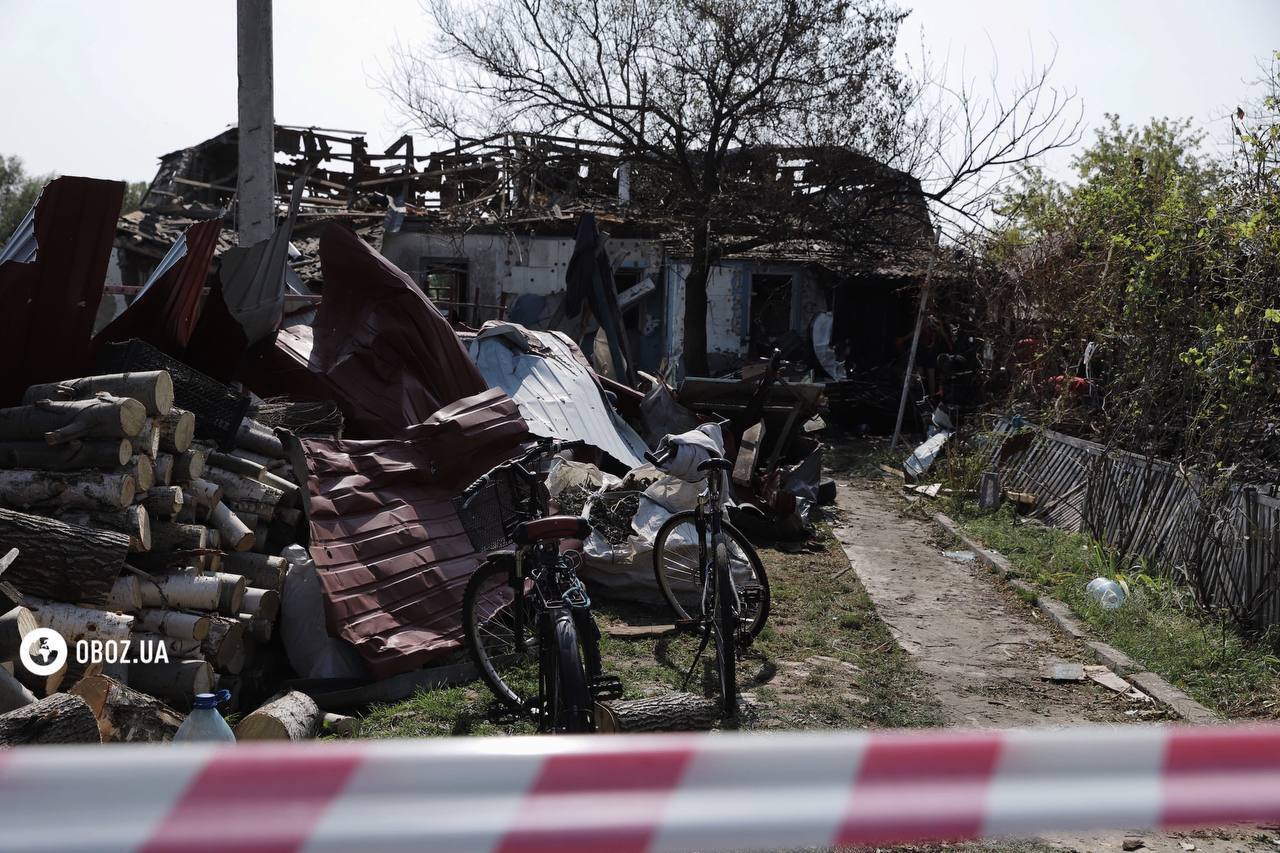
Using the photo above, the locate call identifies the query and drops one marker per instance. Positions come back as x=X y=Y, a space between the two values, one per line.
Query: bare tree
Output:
x=686 y=89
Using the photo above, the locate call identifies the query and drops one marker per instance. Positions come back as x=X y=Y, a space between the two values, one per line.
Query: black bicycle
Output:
x=711 y=577
x=526 y=615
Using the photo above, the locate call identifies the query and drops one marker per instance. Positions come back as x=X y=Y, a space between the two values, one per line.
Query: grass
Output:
x=824 y=660
x=1158 y=625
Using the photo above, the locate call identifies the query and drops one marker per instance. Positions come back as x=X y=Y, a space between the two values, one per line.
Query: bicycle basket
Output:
x=490 y=514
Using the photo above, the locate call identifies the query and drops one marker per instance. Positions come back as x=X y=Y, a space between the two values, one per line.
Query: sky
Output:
x=103 y=87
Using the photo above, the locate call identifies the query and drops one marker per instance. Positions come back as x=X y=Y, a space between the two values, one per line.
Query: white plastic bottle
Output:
x=204 y=723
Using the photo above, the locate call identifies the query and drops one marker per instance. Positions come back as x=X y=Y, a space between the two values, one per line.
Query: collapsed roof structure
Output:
x=384 y=262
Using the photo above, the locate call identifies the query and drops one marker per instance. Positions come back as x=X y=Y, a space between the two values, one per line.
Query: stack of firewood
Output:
x=127 y=530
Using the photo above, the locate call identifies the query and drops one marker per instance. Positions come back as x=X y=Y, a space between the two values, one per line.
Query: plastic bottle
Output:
x=204 y=723
x=1107 y=592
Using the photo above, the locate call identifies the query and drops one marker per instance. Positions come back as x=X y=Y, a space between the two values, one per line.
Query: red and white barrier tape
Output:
x=635 y=793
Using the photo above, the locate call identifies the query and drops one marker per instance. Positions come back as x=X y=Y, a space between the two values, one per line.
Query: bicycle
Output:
x=524 y=605
x=698 y=555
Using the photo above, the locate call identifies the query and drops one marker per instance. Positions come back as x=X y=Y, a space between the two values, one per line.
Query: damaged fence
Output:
x=1224 y=539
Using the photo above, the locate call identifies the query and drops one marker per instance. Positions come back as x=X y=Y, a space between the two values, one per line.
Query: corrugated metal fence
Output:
x=1226 y=544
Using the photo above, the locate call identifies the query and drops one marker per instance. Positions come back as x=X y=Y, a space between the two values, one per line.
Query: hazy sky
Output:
x=102 y=87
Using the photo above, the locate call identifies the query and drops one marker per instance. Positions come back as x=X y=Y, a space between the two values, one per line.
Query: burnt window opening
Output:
x=770 y=311
x=624 y=279
x=444 y=280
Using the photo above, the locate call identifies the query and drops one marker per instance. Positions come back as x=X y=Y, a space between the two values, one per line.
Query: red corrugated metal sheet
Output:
x=164 y=313
x=378 y=344
x=392 y=554
x=47 y=306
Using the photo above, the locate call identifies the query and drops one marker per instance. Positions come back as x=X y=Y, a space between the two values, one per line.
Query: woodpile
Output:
x=128 y=532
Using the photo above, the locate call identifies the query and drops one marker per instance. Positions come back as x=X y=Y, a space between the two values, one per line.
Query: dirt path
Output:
x=982 y=649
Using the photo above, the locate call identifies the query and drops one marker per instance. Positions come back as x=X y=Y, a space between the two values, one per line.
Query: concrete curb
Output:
x=1059 y=613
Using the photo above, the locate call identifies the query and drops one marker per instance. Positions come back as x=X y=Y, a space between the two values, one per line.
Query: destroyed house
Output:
x=487 y=231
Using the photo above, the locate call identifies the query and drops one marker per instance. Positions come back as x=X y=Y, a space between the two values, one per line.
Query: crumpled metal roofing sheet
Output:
x=547 y=375
x=49 y=292
x=164 y=312
x=392 y=555
x=378 y=345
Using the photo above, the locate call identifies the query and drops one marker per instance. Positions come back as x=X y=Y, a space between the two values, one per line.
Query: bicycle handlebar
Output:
x=543 y=447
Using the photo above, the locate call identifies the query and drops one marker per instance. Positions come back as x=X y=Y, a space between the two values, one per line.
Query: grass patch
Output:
x=1159 y=625
x=824 y=660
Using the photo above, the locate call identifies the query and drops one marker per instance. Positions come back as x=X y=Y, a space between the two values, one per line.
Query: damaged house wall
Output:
x=521 y=278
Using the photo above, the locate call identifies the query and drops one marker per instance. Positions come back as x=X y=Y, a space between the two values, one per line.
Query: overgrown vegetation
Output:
x=1159 y=624
x=1142 y=305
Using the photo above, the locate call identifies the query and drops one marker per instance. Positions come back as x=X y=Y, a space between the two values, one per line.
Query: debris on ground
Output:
x=611 y=514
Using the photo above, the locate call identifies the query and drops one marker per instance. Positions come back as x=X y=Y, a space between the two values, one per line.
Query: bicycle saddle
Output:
x=716 y=463
x=553 y=527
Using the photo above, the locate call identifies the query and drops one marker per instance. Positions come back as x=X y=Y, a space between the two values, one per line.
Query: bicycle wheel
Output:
x=568 y=698
x=508 y=665
x=679 y=553
x=726 y=631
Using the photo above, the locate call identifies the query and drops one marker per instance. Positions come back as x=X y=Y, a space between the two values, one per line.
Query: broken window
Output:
x=770 y=311
x=444 y=280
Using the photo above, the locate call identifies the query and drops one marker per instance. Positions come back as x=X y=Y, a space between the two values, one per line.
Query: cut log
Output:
x=13 y=693
x=147 y=441
x=65 y=457
x=252 y=512
x=203 y=492
x=171 y=536
x=286 y=716
x=143 y=471
x=254 y=471
x=164 y=501
x=288 y=489
x=260 y=570
x=260 y=630
x=55 y=422
x=62 y=561
x=164 y=469
x=670 y=712
x=170 y=623
x=61 y=718
x=236 y=536
x=79 y=623
x=235 y=464
x=126 y=594
x=261 y=603
x=225 y=641
x=238 y=488
x=232 y=596
x=14 y=625
x=257 y=458
x=181 y=591
x=21 y=487
x=133 y=521
x=254 y=436
x=152 y=388
x=176 y=430
x=340 y=724
x=176 y=682
x=126 y=715
x=188 y=466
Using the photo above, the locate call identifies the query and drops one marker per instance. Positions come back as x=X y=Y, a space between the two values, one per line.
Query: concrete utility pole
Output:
x=256 y=177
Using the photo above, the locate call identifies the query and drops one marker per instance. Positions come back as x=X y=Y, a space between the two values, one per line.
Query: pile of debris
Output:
x=154 y=556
